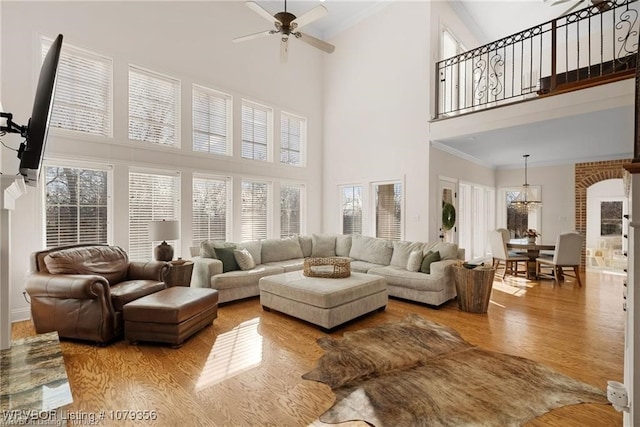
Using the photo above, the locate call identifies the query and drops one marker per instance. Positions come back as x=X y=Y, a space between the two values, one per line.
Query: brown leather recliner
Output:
x=79 y=290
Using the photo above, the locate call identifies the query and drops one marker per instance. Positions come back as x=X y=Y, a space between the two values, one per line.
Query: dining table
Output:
x=532 y=251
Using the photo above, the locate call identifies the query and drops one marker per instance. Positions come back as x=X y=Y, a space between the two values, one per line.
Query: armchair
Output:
x=79 y=290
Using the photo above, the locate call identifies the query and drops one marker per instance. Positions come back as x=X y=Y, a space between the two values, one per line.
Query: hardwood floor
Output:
x=246 y=369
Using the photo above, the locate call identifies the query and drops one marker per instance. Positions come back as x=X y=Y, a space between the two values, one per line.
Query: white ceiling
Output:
x=573 y=139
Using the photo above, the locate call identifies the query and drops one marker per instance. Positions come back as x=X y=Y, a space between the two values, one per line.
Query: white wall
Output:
x=558 y=196
x=190 y=41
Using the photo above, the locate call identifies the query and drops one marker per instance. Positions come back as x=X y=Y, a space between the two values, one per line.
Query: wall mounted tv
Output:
x=35 y=132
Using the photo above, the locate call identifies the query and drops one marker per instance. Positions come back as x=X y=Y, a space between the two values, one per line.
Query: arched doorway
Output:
x=587 y=174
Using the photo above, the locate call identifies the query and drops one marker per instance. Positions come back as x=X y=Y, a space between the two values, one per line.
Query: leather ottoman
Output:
x=171 y=315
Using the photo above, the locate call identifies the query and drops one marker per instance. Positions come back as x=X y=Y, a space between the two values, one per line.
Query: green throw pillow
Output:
x=427 y=260
x=228 y=259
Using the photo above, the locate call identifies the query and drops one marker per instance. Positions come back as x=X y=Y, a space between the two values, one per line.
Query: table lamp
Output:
x=163 y=230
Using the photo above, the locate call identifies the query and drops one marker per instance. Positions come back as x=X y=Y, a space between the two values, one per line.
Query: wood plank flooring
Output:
x=246 y=368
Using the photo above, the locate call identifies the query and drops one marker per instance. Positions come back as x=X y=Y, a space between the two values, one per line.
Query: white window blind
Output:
x=210 y=214
x=83 y=98
x=154 y=107
x=152 y=197
x=256 y=131
x=254 y=217
x=290 y=210
x=351 y=205
x=293 y=135
x=212 y=121
x=76 y=205
x=388 y=211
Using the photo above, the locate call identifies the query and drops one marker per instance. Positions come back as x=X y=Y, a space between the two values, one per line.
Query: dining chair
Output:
x=567 y=254
x=500 y=255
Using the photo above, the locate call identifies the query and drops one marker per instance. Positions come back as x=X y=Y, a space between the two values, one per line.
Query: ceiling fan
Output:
x=287 y=24
x=600 y=4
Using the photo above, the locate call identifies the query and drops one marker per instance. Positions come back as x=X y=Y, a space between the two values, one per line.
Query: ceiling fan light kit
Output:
x=288 y=25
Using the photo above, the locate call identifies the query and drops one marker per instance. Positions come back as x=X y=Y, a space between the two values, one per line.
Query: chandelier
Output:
x=526 y=200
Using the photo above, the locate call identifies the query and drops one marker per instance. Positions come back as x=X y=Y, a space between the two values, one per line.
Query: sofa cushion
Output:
x=371 y=249
x=415 y=261
x=228 y=259
x=288 y=265
x=110 y=262
x=429 y=258
x=238 y=279
x=397 y=276
x=323 y=245
x=343 y=244
x=130 y=290
x=244 y=259
x=363 y=266
x=306 y=244
x=255 y=249
x=280 y=249
x=401 y=252
x=208 y=247
x=447 y=250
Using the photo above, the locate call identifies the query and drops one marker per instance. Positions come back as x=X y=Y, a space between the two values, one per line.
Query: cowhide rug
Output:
x=417 y=372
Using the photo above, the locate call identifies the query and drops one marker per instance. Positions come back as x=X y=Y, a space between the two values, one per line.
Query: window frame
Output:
x=228 y=209
x=341 y=189
x=45 y=43
x=269 y=130
x=228 y=119
x=534 y=220
x=302 y=152
x=301 y=208
x=64 y=163
x=268 y=209
x=177 y=106
x=177 y=208
x=374 y=210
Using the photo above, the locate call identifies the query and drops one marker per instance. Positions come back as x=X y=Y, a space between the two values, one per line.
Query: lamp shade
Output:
x=164 y=230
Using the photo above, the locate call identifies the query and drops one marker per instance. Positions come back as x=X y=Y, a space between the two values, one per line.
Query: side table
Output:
x=179 y=273
x=474 y=288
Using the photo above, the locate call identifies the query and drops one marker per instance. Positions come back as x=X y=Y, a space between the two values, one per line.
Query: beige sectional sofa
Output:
x=368 y=255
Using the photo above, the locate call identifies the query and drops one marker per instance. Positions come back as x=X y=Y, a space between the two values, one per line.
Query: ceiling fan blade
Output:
x=284 y=49
x=262 y=12
x=253 y=36
x=317 y=43
x=314 y=14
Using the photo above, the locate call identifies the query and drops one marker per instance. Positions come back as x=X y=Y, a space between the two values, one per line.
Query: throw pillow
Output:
x=343 y=244
x=244 y=259
x=228 y=259
x=323 y=245
x=415 y=261
x=427 y=260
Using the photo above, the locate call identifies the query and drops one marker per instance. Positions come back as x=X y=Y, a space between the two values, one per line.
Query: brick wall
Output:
x=587 y=174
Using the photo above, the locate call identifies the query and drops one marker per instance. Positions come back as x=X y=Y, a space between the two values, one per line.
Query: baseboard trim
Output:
x=20 y=314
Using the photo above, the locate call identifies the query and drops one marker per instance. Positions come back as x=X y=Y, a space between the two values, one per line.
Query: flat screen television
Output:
x=35 y=132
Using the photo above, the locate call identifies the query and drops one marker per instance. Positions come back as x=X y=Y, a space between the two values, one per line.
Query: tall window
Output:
x=154 y=107
x=254 y=217
x=290 y=210
x=293 y=136
x=76 y=205
x=212 y=121
x=152 y=197
x=388 y=211
x=476 y=213
x=210 y=210
x=257 y=129
x=351 y=207
x=519 y=221
x=83 y=101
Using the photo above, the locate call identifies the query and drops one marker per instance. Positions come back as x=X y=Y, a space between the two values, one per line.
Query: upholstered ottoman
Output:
x=171 y=315
x=324 y=302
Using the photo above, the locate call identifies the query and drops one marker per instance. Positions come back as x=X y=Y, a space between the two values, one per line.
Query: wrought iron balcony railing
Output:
x=594 y=45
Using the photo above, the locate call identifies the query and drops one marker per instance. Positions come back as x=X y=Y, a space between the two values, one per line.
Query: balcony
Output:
x=589 y=47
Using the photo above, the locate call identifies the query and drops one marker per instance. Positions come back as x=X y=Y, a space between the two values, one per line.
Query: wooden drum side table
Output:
x=474 y=288
x=179 y=273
